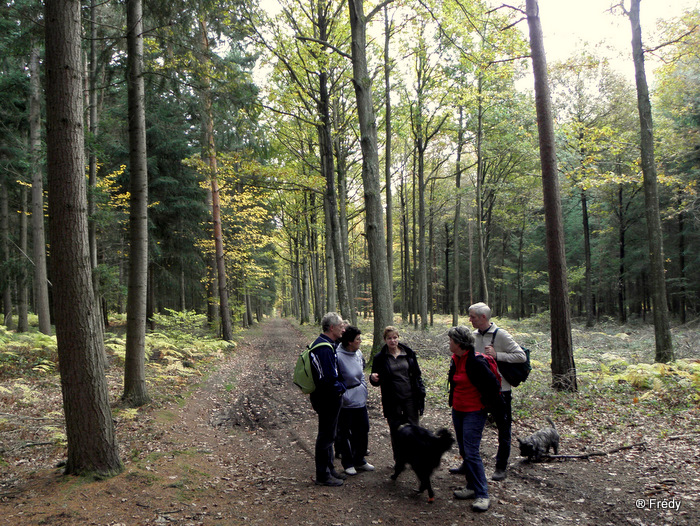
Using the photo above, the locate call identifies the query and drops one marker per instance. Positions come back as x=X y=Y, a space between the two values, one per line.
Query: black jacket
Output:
x=380 y=366
x=483 y=378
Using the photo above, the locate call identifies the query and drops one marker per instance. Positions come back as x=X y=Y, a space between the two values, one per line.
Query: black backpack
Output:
x=515 y=373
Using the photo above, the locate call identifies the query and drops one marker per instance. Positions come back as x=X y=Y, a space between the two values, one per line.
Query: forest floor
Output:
x=237 y=448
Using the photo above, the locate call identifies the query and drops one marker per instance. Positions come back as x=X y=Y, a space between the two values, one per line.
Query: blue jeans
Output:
x=469 y=428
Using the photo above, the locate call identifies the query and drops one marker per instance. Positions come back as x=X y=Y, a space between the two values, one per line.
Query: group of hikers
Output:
x=475 y=390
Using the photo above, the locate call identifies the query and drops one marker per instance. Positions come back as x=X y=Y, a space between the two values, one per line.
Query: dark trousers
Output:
x=504 y=423
x=328 y=409
x=353 y=430
x=403 y=412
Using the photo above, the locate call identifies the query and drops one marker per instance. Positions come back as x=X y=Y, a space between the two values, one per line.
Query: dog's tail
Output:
x=550 y=422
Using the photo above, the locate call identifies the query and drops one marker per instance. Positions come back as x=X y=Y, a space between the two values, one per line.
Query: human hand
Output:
x=374 y=377
x=490 y=350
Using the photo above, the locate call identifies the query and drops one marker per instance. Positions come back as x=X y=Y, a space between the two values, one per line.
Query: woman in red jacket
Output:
x=473 y=388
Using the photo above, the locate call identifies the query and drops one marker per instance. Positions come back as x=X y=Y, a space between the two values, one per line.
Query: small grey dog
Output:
x=534 y=446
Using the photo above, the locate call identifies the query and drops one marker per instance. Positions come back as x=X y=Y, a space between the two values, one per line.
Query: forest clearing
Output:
x=228 y=438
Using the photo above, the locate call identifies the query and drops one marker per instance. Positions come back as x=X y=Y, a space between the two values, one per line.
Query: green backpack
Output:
x=302 y=370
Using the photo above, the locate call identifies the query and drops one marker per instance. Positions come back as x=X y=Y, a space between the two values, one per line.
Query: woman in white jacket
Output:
x=353 y=423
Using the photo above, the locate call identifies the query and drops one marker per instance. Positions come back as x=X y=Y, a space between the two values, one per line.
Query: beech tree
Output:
x=382 y=299
x=92 y=444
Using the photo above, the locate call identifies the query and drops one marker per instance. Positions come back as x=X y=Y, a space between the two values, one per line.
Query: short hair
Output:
x=481 y=309
x=329 y=320
x=390 y=328
x=462 y=336
x=351 y=332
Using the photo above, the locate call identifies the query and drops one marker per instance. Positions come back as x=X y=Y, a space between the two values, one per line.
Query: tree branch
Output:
x=324 y=43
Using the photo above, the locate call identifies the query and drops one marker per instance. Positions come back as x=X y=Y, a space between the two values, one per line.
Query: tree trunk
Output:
x=387 y=154
x=5 y=234
x=563 y=368
x=209 y=157
x=22 y=290
x=480 y=242
x=590 y=314
x=92 y=444
x=41 y=282
x=455 y=232
x=621 y=292
x=662 y=324
x=92 y=159
x=374 y=216
x=135 y=393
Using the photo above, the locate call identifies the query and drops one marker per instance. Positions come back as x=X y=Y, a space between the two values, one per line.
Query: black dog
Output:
x=537 y=444
x=423 y=450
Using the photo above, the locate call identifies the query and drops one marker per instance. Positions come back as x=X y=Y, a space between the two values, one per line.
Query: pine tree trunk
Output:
x=92 y=444
x=41 y=282
x=662 y=324
x=563 y=368
x=135 y=392
x=209 y=157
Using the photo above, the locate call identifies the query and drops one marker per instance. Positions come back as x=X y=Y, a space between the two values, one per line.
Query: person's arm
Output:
x=507 y=349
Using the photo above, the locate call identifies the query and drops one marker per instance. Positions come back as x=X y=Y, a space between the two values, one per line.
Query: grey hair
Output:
x=481 y=309
x=329 y=320
x=462 y=336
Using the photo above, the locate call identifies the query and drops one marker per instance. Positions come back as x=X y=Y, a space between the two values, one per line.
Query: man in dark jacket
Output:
x=327 y=397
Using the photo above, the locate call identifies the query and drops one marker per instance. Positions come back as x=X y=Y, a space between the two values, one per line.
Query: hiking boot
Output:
x=481 y=504
x=341 y=476
x=460 y=470
x=350 y=471
x=499 y=474
x=464 y=494
x=365 y=467
x=330 y=481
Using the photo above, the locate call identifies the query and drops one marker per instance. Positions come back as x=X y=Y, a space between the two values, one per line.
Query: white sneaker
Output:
x=464 y=493
x=350 y=471
x=481 y=504
x=366 y=467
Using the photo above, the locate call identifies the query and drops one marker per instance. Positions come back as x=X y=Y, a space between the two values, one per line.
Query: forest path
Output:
x=239 y=450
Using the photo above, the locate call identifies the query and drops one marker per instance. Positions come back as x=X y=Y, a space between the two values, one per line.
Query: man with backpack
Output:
x=498 y=343
x=326 y=397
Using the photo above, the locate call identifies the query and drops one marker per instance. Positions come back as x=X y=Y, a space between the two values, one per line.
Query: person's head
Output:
x=332 y=325
x=391 y=336
x=351 y=338
x=480 y=316
x=461 y=340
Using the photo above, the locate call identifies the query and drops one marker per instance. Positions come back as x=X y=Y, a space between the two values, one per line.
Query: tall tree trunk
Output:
x=92 y=158
x=590 y=314
x=387 y=153
x=422 y=248
x=92 y=444
x=341 y=156
x=374 y=216
x=455 y=232
x=662 y=324
x=621 y=292
x=480 y=241
x=22 y=290
x=41 y=281
x=563 y=368
x=681 y=265
x=135 y=392
x=5 y=234
x=209 y=156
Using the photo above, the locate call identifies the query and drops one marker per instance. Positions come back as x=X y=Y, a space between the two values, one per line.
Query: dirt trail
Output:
x=240 y=450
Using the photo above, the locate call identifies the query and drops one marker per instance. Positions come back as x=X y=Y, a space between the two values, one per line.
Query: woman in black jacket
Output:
x=395 y=370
